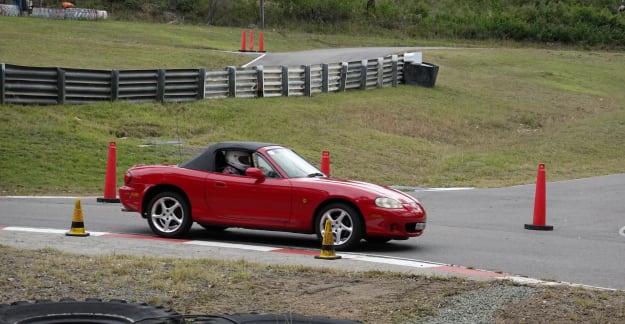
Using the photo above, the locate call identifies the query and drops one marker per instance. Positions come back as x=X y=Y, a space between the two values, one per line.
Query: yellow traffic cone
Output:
x=327 y=246
x=78 y=226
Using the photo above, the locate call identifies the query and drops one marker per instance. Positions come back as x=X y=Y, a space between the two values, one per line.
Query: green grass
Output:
x=493 y=116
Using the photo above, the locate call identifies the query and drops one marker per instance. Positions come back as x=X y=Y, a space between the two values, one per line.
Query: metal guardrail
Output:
x=38 y=85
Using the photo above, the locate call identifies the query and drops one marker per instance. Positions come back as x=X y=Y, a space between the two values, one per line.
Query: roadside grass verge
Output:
x=205 y=286
x=492 y=117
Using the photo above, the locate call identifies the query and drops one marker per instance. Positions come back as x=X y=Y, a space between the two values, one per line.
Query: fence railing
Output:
x=38 y=85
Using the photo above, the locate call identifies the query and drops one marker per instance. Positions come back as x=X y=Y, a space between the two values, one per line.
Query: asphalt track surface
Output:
x=468 y=231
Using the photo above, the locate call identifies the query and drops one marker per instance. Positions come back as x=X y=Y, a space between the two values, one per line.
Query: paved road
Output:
x=483 y=229
x=335 y=55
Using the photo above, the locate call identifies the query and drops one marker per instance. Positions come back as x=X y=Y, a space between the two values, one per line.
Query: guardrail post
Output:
x=114 y=85
x=325 y=78
x=232 y=81
x=285 y=81
x=2 y=78
x=343 y=83
x=60 y=85
x=363 y=75
x=160 y=87
x=201 y=83
x=380 y=72
x=260 y=81
x=395 y=71
x=307 y=82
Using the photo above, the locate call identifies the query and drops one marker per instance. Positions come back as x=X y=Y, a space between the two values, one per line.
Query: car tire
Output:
x=169 y=215
x=88 y=311
x=347 y=225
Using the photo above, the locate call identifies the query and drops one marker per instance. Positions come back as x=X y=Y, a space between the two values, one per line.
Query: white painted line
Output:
x=46 y=230
x=233 y=246
x=392 y=261
x=252 y=61
x=44 y=197
x=35 y=230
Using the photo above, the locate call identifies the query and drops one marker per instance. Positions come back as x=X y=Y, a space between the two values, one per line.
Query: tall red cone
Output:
x=261 y=42
x=251 y=40
x=540 y=204
x=243 y=40
x=110 y=181
x=325 y=162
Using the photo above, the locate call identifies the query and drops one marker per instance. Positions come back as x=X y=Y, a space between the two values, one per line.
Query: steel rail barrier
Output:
x=57 y=85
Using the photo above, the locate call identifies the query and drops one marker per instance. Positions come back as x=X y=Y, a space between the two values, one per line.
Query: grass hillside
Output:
x=495 y=113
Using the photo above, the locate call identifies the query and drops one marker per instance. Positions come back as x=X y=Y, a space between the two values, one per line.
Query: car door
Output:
x=244 y=201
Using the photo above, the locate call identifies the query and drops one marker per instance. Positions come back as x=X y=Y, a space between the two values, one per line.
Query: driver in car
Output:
x=237 y=162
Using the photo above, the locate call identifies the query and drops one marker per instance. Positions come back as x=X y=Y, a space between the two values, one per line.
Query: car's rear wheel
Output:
x=346 y=223
x=169 y=215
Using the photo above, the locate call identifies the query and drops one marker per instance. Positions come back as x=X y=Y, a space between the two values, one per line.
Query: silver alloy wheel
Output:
x=342 y=224
x=167 y=214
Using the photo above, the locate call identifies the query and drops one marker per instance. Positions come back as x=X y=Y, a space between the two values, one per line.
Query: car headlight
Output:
x=386 y=202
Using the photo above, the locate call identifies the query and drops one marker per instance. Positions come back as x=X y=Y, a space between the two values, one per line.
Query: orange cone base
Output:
x=539 y=227
x=108 y=200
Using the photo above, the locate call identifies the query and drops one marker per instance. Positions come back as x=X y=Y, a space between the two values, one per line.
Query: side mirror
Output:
x=255 y=173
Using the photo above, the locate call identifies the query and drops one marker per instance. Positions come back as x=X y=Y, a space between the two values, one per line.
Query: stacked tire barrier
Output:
x=56 y=13
x=74 y=13
x=9 y=10
x=55 y=85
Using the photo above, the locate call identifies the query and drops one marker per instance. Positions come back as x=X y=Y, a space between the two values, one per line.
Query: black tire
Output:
x=347 y=225
x=88 y=311
x=169 y=215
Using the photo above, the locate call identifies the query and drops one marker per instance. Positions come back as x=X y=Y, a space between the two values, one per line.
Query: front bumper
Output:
x=409 y=221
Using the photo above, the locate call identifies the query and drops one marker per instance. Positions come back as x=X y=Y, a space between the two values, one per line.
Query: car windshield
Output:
x=294 y=165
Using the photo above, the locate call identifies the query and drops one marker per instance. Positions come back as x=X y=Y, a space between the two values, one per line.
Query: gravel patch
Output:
x=479 y=306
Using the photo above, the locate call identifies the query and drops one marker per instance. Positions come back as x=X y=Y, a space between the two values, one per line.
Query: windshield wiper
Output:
x=316 y=174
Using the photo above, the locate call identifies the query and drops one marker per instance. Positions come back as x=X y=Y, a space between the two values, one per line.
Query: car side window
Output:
x=264 y=166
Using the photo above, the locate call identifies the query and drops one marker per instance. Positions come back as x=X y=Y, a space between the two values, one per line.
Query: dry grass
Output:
x=205 y=286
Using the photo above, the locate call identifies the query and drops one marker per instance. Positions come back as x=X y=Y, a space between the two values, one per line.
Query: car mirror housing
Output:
x=255 y=173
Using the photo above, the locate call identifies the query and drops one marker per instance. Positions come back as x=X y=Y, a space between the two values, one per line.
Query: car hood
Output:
x=371 y=188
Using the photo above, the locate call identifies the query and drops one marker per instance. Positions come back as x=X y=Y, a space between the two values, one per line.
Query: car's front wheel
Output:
x=169 y=215
x=346 y=224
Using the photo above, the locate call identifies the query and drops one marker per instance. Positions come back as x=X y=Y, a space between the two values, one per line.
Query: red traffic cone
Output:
x=540 y=203
x=243 y=41
x=325 y=162
x=261 y=42
x=110 y=182
x=251 y=40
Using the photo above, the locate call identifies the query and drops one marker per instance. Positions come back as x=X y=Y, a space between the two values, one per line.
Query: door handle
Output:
x=220 y=184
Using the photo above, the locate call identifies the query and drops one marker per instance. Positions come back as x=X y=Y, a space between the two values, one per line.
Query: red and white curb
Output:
x=409 y=263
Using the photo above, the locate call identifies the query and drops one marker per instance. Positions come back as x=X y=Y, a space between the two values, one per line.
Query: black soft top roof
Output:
x=206 y=160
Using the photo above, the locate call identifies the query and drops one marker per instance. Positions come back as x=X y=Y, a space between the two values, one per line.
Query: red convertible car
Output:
x=269 y=187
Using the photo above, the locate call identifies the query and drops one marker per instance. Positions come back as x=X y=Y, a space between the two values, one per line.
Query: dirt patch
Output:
x=203 y=286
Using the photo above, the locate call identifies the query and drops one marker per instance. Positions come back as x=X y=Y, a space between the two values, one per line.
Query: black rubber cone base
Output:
x=539 y=227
